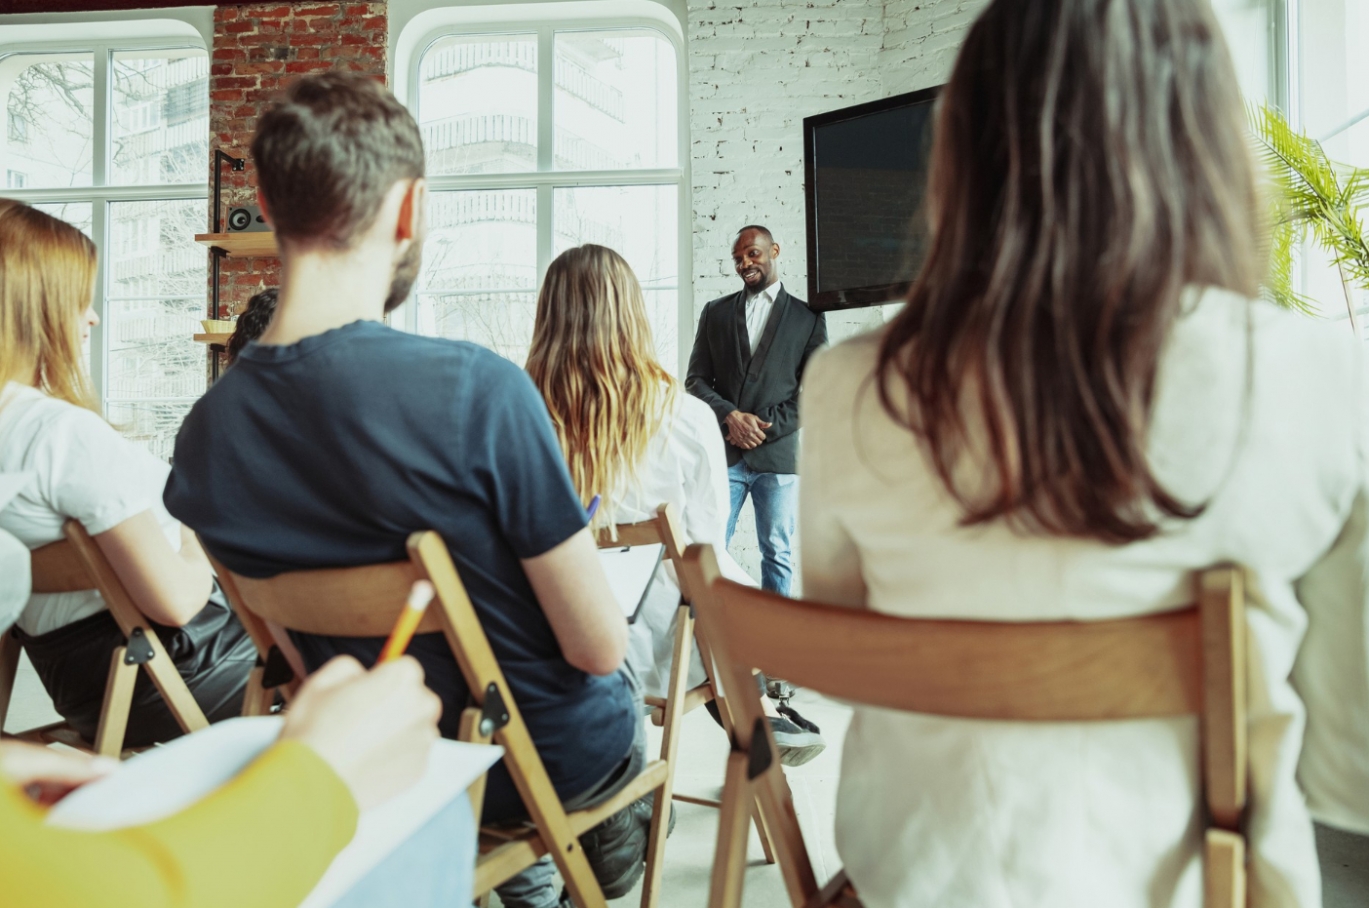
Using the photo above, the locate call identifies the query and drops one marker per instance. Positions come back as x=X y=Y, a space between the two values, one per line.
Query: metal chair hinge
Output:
x=758 y=758
x=276 y=669
x=494 y=715
x=139 y=649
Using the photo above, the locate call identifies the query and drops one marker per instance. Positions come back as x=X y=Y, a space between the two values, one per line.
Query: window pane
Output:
x=49 y=108
x=156 y=297
x=479 y=280
x=160 y=110
x=77 y=214
x=642 y=224
x=1335 y=109
x=615 y=100
x=1246 y=26
x=151 y=424
x=477 y=104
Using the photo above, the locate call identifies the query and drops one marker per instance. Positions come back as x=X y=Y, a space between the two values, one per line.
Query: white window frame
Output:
x=545 y=179
x=100 y=194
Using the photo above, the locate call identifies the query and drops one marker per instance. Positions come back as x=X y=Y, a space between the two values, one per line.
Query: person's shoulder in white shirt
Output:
x=81 y=468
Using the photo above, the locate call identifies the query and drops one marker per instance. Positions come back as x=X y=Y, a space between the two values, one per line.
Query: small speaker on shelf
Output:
x=246 y=219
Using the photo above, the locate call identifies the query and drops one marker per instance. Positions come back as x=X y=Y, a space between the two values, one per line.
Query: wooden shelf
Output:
x=218 y=340
x=241 y=245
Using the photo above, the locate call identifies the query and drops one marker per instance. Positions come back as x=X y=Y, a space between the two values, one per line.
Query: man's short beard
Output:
x=406 y=272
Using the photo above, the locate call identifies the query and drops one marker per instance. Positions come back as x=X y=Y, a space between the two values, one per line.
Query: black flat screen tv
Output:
x=865 y=171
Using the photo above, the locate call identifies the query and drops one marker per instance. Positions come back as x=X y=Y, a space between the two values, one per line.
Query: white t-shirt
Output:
x=686 y=466
x=81 y=468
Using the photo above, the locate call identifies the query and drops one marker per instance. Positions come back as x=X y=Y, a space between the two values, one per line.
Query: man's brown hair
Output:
x=328 y=152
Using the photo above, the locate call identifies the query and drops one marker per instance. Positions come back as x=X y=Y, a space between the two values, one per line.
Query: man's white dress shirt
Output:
x=758 y=306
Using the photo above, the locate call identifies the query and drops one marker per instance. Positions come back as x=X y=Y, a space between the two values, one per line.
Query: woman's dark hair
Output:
x=1089 y=163
x=252 y=322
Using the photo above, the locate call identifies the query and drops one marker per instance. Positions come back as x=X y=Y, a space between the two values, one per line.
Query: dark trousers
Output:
x=212 y=653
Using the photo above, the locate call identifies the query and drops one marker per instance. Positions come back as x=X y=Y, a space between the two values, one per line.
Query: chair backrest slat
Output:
x=631 y=534
x=58 y=568
x=663 y=529
x=339 y=602
x=1048 y=671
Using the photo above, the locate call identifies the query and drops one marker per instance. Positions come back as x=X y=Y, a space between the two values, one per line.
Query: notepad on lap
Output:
x=168 y=779
x=630 y=574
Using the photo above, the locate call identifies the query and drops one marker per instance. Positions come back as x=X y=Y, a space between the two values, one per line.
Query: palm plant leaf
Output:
x=1312 y=194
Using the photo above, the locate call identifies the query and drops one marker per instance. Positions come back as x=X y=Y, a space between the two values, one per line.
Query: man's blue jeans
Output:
x=775 y=496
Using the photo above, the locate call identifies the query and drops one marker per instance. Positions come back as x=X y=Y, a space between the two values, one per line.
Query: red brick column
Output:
x=258 y=49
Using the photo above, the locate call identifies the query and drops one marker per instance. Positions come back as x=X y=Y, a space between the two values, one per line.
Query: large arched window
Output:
x=541 y=137
x=112 y=136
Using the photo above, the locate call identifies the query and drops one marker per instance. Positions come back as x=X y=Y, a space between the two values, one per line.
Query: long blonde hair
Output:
x=593 y=360
x=47 y=279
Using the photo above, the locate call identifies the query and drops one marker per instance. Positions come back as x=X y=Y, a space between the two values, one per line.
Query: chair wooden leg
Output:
x=469 y=731
x=762 y=831
x=256 y=701
x=172 y=687
x=729 y=856
x=549 y=816
x=109 y=736
x=1224 y=870
x=672 y=714
x=9 y=670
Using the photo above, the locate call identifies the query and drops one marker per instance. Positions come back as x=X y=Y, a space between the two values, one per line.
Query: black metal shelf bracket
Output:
x=215 y=253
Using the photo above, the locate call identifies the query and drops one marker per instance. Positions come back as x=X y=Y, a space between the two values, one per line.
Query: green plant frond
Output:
x=1283 y=241
x=1295 y=161
x=1312 y=194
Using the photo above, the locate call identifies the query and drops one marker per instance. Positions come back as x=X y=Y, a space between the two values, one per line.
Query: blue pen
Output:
x=593 y=506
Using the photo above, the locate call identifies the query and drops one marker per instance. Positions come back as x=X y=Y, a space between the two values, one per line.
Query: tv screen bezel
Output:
x=853 y=297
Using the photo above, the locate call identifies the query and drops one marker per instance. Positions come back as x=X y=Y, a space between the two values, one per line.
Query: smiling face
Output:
x=754 y=258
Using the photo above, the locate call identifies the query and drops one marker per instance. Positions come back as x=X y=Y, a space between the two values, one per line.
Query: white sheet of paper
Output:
x=168 y=779
x=630 y=572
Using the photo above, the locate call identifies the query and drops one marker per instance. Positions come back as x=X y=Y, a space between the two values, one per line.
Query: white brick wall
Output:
x=756 y=69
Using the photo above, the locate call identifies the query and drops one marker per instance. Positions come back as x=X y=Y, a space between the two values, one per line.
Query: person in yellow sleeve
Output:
x=351 y=739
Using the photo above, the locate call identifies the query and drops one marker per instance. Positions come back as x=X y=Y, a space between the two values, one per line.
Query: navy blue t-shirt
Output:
x=331 y=451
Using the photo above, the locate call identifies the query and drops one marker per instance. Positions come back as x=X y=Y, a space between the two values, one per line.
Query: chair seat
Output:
x=693 y=699
x=505 y=852
x=64 y=734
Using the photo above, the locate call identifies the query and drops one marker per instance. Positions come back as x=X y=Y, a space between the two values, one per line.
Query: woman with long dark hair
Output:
x=1081 y=404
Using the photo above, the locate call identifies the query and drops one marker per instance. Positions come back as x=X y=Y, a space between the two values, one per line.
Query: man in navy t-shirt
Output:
x=335 y=437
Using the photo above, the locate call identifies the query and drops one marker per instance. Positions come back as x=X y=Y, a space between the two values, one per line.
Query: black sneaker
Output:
x=798 y=739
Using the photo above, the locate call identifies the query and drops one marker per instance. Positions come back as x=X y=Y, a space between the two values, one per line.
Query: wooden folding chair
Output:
x=1187 y=662
x=664 y=529
x=77 y=563
x=364 y=602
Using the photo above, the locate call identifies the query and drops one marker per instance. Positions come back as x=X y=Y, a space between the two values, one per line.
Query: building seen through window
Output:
x=587 y=152
x=155 y=134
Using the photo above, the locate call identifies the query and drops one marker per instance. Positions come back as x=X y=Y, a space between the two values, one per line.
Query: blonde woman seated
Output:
x=1082 y=404
x=80 y=467
x=632 y=436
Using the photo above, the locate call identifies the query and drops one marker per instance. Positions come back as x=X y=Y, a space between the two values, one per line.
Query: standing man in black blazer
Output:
x=747 y=364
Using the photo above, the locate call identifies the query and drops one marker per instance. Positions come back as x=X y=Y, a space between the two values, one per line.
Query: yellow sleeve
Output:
x=263 y=840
